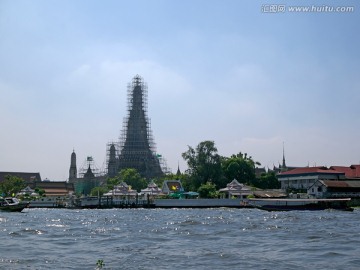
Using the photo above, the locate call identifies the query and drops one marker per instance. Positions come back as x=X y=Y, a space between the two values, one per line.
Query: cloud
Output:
x=81 y=71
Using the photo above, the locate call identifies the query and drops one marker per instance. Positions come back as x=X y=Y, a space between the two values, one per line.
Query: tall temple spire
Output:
x=137 y=149
x=73 y=169
x=283 y=166
x=112 y=162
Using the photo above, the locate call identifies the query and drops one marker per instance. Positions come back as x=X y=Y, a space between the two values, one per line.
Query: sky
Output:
x=228 y=71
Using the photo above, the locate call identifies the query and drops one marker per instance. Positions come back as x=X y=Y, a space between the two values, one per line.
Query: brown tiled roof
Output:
x=341 y=184
x=51 y=192
x=54 y=185
x=54 y=188
x=337 y=184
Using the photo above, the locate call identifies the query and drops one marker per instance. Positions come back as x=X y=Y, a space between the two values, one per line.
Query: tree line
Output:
x=207 y=172
x=205 y=165
x=11 y=185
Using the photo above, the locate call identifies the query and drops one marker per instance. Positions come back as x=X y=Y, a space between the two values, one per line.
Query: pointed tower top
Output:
x=178 y=170
x=89 y=173
x=137 y=80
x=73 y=158
x=283 y=166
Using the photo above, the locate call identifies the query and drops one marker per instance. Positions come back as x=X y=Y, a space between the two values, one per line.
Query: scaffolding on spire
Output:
x=136 y=147
x=90 y=163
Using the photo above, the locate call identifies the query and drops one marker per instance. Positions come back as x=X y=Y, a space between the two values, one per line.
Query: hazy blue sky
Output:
x=216 y=70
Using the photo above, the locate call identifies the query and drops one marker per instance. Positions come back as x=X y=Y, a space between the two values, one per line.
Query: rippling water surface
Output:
x=179 y=239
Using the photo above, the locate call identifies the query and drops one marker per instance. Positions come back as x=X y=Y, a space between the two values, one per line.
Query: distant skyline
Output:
x=216 y=70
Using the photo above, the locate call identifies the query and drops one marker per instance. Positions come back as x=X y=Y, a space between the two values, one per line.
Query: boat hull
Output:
x=14 y=208
x=308 y=207
x=298 y=204
x=200 y=203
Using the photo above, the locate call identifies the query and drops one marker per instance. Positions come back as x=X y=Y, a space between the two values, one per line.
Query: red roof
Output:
x=311 y=170
x=352 y=171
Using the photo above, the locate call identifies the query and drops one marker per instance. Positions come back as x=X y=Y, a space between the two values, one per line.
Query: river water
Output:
x=220 y=238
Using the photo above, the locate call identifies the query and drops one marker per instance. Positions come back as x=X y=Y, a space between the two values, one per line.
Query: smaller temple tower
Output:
x=73 y=169
x=112 y=162
x=89 y=175
x=178 y=173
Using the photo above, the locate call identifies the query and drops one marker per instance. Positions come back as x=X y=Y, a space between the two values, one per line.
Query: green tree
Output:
x=111 y=182
x=268 y=181
x=98 y=191
x=40 y=191
x=240 y=167
x=204 y=164
x=12 y=185
x=130 y=176
x=208 y=190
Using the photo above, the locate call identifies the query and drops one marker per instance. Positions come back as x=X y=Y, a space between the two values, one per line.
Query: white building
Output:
x=236 y=189
x=335 y=189
x=303 y=178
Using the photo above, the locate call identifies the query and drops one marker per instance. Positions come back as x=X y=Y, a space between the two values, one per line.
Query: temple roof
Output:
x=233 y=186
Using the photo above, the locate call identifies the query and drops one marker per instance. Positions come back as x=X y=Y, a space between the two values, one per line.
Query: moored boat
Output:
x=301 y=204
x=12 y=204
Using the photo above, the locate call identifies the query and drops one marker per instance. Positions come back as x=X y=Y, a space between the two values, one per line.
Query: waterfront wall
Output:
x=197 y=203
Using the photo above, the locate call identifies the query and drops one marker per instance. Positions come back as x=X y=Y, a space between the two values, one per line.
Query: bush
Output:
x=208 y=190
